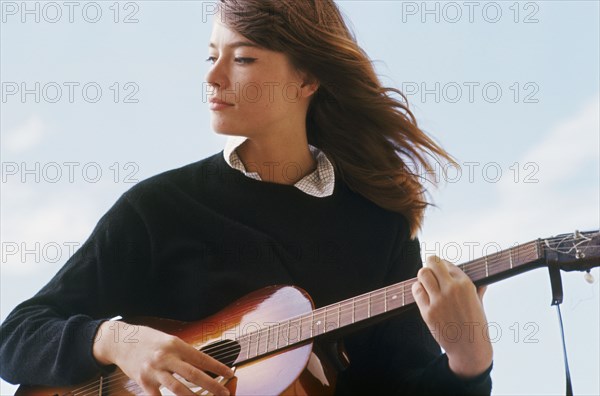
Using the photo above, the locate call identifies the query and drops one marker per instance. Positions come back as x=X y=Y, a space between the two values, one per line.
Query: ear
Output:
x=309 y=85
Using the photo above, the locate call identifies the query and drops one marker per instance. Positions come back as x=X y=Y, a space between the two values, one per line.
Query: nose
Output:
x=216 y=76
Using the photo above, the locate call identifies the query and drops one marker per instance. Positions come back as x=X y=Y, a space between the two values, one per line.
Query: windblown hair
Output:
x=372 y=139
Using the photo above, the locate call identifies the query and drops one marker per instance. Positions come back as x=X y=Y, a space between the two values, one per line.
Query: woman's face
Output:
x=261 y=86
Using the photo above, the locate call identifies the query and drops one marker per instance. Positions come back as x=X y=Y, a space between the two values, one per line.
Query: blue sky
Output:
x=528 y=131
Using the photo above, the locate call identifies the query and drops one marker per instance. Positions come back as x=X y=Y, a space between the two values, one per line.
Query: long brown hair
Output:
x=372 y=139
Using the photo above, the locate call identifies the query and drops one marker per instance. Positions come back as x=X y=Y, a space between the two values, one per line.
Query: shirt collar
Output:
x=320 y=183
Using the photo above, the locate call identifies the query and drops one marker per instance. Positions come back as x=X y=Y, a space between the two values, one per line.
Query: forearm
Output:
x=38 y=348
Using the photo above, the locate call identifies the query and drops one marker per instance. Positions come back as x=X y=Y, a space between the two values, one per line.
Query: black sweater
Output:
x=185 y=243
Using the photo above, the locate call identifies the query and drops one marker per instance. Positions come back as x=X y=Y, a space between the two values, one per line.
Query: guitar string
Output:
x=111 y=384
x=339 y=310
x=375 y=299
x=369 y=299
x=219 y=352
x=289 y=322
x=258 y=333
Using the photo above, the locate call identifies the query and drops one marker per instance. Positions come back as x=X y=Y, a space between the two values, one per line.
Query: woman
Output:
x=314 y=186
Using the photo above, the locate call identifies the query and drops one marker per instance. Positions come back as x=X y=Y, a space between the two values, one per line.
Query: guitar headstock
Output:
x=577 y=251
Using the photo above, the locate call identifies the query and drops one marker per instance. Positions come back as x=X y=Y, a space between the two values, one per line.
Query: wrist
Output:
x=470 y=369
x=103 y=349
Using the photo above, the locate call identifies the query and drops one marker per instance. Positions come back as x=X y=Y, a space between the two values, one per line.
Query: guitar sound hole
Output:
x=225 y=351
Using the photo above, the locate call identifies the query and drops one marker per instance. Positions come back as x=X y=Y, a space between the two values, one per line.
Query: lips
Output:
x=218 y=101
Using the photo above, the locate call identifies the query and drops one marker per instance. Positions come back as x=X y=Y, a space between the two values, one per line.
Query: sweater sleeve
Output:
x=400 y=356
x=48 y=339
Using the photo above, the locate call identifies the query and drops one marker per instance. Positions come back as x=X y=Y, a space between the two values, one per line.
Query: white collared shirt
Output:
x=319 y=183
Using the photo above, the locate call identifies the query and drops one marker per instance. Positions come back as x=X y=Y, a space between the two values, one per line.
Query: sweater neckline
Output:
x=254 y=184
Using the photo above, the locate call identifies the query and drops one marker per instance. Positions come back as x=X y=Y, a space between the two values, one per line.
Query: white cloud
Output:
x=565 y=197
x=40 y=221
x=568 y=147
x=25 y=136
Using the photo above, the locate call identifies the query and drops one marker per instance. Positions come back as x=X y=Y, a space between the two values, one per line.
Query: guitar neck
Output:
x=380 y=303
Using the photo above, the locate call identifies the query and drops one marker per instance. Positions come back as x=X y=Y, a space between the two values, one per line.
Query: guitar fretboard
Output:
x=365 y=306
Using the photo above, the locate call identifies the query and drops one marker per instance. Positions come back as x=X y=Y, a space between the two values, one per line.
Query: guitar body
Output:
x=297 y=370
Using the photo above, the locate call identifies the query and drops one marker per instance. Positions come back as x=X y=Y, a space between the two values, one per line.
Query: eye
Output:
x=245 y=61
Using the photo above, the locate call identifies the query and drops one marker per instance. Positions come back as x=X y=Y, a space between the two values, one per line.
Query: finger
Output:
x=428 y=281
x=454 y=271
x=440 y=268
x=420 y=295
x=200 y=378
x=205 y=362
x=481 y=291
x=173 y=384
x=149 y=390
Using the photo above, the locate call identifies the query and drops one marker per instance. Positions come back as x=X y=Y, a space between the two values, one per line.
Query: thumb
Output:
x=481 y=291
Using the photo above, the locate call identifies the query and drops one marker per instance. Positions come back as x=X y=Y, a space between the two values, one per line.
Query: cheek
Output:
x=267 y=93
x=290 y=94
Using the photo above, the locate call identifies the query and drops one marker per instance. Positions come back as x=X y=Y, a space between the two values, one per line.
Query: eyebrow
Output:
x=237 y=44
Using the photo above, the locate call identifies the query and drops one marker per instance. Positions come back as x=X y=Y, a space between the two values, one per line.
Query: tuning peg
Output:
x=589 y=278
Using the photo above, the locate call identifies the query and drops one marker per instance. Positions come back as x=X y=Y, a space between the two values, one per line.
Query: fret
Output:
x=377 y=307
x=270 y=343
x=319 y=320
x=385 y=299
x=518 y=252
x=369 y=305
x=312 y=319
x=294 y=330
x=247 y=342
x=329 y=323
x=392 y=297
x=353 y=308
x=265 y=337
x=257 y=343
x=524 y=254
x=286 y=334
x=486 y=267
x=346 y=313
x=361 y=311
x=510 y=259
x=403 y=295
x=305 y=327
x=506 y=257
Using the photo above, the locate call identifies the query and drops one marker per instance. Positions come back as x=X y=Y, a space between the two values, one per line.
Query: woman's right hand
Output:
x=155 y=356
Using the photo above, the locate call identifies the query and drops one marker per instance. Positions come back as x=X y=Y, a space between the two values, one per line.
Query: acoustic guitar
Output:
x=268 y=336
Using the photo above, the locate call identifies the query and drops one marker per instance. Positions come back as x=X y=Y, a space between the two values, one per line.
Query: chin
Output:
x=220 y=127
x=220 y=130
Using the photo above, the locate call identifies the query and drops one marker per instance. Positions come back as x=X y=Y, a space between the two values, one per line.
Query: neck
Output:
x=282 y=160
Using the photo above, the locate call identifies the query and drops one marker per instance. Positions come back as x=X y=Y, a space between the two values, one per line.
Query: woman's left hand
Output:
x=452 y=308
